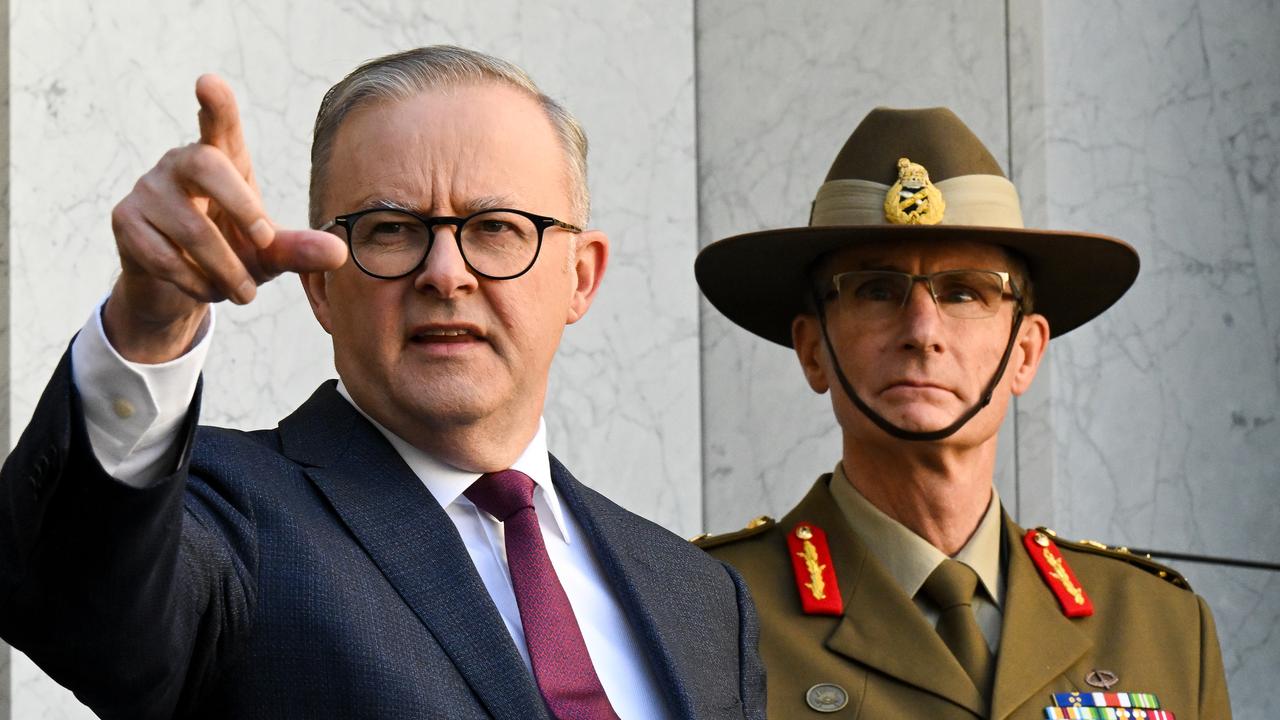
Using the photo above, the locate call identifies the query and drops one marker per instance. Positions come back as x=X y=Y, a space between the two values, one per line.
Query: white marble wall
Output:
x=1165 y=130
x=1155 y=121
x=100 y=90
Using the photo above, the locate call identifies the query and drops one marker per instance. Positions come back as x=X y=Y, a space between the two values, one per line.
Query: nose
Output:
x=444 y=272
x=921 y=320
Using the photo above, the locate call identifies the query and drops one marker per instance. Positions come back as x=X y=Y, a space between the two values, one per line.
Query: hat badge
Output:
x=913 y=200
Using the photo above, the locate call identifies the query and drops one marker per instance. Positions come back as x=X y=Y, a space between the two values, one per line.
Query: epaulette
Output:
x=707 y=541
x=1142 y=562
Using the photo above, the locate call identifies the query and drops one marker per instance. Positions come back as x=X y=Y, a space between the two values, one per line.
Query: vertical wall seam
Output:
x=703 y=470
x=1008 y=119
x=6 y=327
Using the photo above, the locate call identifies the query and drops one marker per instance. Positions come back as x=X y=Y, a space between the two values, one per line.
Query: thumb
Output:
x=303 y=251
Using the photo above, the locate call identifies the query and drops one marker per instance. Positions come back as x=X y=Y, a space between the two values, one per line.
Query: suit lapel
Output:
x=414 y=543
x=1037 y=643
x=881 y=627
x=609 y=531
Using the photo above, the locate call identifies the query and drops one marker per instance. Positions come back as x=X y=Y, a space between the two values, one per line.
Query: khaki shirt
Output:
x=887 y=660
x=910 y=559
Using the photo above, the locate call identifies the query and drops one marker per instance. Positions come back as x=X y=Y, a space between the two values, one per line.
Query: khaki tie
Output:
x=951 y=586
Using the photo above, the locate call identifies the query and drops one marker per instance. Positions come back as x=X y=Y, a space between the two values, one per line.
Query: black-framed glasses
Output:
x=966 y=294
x=499 y=244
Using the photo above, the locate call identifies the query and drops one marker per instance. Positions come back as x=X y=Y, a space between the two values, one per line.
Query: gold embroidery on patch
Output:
x=1060 y=572
x=815 y=584
x=913 y=200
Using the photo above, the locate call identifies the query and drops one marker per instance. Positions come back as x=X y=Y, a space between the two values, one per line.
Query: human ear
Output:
x=316 y=286
x=806 y=338
x=590 y=261
x=1033 y=339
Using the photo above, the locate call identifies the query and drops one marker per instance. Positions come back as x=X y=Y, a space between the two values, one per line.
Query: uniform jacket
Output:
x=305 y=572
x=1153 y=636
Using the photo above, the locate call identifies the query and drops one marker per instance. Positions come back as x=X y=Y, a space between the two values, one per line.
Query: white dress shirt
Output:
x=133 y=413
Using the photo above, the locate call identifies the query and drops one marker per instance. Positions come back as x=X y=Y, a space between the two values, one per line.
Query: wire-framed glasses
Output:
x=499 y=244
x=966 y=294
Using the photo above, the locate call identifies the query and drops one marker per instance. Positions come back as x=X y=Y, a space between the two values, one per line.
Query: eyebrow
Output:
x=474 y=205
x=489 y=202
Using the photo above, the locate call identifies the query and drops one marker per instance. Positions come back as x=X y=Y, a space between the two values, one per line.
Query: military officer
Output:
x=899 y=587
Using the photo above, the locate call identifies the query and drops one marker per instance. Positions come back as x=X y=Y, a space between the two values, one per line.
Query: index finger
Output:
x=220 y=120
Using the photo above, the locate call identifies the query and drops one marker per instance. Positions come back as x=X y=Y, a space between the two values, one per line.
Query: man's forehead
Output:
x=450 y=150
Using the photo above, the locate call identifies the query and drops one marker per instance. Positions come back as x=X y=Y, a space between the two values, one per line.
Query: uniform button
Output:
x=827 y=697
x=122 y=408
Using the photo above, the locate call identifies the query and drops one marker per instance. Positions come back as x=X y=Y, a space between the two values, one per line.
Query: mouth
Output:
x=908 y=384
x=445 y=334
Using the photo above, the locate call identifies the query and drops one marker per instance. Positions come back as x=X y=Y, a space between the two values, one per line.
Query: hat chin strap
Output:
x=913 y=435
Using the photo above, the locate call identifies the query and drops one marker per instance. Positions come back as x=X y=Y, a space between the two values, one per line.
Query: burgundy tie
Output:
x=561 y=664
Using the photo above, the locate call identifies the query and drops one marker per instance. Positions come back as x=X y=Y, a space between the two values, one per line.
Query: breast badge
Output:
x=815 y=575
x=1104 y=679
x=827 y=697
x=913 y=200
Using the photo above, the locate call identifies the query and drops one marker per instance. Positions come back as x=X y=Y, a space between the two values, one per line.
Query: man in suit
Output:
x=899 y=587
x=402 y=545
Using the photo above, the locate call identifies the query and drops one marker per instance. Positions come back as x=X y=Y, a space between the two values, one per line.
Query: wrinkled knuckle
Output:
x=172 y=157
x=203 y=160
x=193 y=229
x=121 y=217
x=162 y=264
x=149 y=185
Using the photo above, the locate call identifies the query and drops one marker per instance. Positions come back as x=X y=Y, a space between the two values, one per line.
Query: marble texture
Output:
x=1155 y=121
x=1165 y=131
x=100 y=90
x=1032 y=503
x=1246 y=610
x=770 y=121
x=1166 y=408
x=5 y=684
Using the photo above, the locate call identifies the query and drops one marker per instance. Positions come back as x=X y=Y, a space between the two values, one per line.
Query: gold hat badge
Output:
x=913 y=200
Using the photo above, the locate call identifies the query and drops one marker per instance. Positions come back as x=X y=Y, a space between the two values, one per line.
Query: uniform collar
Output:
x=447 y=483
x=910 y=558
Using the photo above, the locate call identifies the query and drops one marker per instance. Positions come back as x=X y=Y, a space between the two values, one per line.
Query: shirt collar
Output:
x=910 y=558
x=447 y=483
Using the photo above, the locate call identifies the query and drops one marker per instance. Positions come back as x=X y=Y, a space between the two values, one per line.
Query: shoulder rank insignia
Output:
x=706 y=541
x=1055 y=572
x=1142 y=562
x=815 y=574
x=913 y=200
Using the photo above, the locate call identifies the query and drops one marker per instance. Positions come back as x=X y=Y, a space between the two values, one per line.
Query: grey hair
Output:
x=402 y=75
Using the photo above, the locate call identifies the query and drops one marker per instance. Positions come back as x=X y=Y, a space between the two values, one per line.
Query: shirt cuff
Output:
x=134 y=411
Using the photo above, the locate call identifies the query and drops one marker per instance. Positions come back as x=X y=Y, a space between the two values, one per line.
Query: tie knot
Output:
x=950 y=584
x=502 y=494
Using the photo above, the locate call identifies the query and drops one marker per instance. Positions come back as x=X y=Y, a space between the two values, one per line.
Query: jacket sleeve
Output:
x=1214 y=700
x=752 y=680
x=117 y=592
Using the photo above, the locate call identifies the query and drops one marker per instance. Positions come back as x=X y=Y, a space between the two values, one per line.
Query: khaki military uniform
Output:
x=1146 y=634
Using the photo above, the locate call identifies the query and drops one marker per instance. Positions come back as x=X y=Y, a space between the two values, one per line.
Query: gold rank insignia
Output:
x=913 y=200
x=815 y=574
x=1059 y=576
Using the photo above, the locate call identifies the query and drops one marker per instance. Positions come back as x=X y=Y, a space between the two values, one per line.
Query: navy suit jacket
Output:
x=306 y=572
